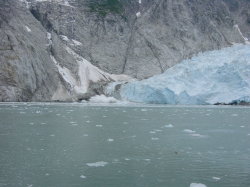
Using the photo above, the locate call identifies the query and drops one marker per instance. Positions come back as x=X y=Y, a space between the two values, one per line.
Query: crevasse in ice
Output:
x=221 y=76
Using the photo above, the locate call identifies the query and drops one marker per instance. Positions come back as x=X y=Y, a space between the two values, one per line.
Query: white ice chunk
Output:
x=97 y=164
x=83 y=177
x=198 y=135
x=234 y=115
x=216 y=178
x=169 y=126
x=188 y=131
x=197 y=185
x=154 y=139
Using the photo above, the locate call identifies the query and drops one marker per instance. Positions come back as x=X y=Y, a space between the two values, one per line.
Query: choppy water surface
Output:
x=64 y=145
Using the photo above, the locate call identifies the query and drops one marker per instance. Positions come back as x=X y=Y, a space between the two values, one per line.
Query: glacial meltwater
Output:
x=81 y=145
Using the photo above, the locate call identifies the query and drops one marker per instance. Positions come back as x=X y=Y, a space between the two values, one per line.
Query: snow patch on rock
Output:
x=238 y=29
x=28 y=29
x=77 y=43
x=88 y=72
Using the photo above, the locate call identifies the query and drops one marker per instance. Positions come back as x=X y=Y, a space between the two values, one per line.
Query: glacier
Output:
x=220 y=76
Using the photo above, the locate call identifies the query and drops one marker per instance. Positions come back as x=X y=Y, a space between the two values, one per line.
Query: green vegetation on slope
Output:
x=104 y=7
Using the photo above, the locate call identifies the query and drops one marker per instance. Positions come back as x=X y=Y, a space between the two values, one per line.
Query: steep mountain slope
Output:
x=45 y=45
x=37 y=66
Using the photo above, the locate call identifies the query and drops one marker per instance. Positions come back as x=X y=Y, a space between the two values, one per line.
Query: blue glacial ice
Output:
x=221 y=76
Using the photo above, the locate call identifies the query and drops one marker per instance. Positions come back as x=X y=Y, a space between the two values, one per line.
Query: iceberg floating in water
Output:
x=221 y=76
x=197 y=185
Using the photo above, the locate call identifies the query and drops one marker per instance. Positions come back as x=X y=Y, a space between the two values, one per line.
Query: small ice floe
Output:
x=154 y=139
x=197 y=185
x=38 y=112
x=168 y=126
x=43 y=123
x=234 y=115
x=88 y=121
x=127 y=159
x=110 y=140
x=152 y=132
x=85 y=135
x=99 y=125
x=125 y=123
x=216 y=178
x=83 y=177
x=242 y=126
x=58 y=114
x=29 y=185
x=248 y=134
x=148 y=160
x=52 y=135
x=97 y=164
x=198 y=135
x=158 y=130
x=138 y=14
x=31 y=123
x=189 y=131
x=47 y=174
x=28 y=29
x=104 y=116
x=144 y=110
x=115 y=161
x=72 y=122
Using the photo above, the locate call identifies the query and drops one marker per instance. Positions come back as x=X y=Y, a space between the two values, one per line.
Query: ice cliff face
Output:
x=69 y=49
x=221 y=76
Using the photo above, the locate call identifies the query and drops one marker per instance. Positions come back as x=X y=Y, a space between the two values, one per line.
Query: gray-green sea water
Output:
x=76 y=145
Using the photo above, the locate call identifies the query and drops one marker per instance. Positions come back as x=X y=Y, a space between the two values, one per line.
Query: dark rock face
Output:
x=111 y=34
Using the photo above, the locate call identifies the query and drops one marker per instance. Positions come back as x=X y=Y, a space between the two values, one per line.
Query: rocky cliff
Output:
x=68 y=49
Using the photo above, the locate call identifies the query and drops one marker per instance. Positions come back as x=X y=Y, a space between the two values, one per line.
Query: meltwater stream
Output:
x=74 y=145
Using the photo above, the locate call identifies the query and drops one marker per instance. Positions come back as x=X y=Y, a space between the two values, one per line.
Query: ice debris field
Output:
x=221 y=76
